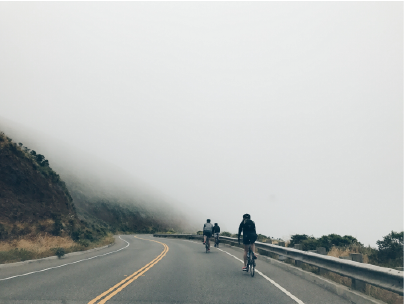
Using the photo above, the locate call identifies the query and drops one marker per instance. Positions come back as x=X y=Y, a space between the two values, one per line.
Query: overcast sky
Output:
x=290 y=111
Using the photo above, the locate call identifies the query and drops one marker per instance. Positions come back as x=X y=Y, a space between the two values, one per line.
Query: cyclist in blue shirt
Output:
x=247 y=226
x=207 y=231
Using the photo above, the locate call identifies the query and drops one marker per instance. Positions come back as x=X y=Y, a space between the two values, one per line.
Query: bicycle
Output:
x=217 y=240
x=250 y=261
x=207 y=244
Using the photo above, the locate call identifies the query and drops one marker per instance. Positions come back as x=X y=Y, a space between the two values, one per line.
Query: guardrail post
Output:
x=359 y=285
x=357 y=257
x=322 y=271
x=299 y=246
x=346 y=258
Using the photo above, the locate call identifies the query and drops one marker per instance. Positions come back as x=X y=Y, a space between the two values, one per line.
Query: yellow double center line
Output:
x=104 y=297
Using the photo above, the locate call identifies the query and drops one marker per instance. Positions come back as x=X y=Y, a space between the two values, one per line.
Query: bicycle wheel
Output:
x=252 y=263
x=206 y=246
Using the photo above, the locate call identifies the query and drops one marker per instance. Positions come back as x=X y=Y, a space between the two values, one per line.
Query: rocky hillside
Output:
x=34 y=200
x=32 y=195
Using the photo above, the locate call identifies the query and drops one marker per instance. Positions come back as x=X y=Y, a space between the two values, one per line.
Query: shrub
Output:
x=330 y=240
x=57 y=226
x=60 y=252
x=297 y=239
x=225 y=233
x=88 y=235
x=76 y=235
x=16 y=255
x=3 y=232
x=262 y=238
x=326 y=241
x=390 y=250
x=84 y=243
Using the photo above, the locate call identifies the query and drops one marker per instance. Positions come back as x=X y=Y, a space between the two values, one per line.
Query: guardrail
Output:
x=360 y=274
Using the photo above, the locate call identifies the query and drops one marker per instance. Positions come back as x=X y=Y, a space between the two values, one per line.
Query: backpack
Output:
x=249 y=225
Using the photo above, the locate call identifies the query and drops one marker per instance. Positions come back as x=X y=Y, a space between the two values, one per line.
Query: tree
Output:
x=297 y=239
x=39 y=158
x=390 y=251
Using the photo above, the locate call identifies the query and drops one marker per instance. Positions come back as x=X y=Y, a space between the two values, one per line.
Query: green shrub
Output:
x=16 y=255
x=88 y=235
x=326 y=241
x=75 y=235
x=3 y=232
x=390 y=250
x=60 y=252
x=84 y=243
x=57 y=226
x=224 y=233
x=297 y=239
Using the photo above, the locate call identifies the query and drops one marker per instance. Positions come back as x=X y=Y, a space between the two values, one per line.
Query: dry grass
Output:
x=337 y=278
x=41 y=246
x=338 y=252
x=38 y=244
x=384 y=295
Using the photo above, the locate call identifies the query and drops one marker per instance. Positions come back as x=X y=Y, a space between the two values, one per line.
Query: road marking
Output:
x=42 y=270
x=268 y=279
x=105 y=296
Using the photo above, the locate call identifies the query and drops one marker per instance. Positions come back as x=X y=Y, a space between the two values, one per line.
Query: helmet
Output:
x=208 y=220
x=246 y=216
x=215 y=224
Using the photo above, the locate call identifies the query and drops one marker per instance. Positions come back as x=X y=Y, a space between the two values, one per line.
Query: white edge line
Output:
x=42 y=270
x=268 y=279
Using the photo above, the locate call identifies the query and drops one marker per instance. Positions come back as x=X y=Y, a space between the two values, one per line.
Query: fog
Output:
x=98 y=180
x=289 y=111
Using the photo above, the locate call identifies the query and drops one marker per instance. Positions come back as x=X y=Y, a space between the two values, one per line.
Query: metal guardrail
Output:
x=386 y=278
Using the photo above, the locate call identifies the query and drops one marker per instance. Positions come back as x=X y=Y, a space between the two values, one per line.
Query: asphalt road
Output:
x=143 y=269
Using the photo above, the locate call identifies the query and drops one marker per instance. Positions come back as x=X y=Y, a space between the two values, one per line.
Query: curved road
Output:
x=143 y=269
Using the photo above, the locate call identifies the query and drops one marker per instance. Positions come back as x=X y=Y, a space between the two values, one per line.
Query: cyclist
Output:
x=247 y=226
x=216 y=232
x=207 y=231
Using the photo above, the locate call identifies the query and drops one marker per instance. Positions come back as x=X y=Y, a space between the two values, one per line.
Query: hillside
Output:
x=32 y=195
x=40 y=213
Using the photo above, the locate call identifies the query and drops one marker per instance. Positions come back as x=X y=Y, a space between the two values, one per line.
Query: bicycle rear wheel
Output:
x=252 y=263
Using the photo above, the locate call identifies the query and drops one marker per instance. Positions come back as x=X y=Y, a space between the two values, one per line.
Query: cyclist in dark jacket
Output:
x=247 y=226
x=216 y=232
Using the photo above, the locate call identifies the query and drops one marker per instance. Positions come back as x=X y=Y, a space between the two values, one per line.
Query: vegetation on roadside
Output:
x=45 y=245
x=388 y=254
x=326 y=241
x=390 y=250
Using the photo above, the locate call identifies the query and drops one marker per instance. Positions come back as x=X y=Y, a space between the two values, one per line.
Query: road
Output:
x=143 y=269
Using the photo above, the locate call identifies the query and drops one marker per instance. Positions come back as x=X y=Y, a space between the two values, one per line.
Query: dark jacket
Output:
x=216 y=229
x=247 y=227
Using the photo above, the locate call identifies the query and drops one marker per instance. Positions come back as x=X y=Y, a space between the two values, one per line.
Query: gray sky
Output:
x=290 y=111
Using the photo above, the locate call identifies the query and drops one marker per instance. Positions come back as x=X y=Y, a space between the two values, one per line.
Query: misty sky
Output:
x=290 y=111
